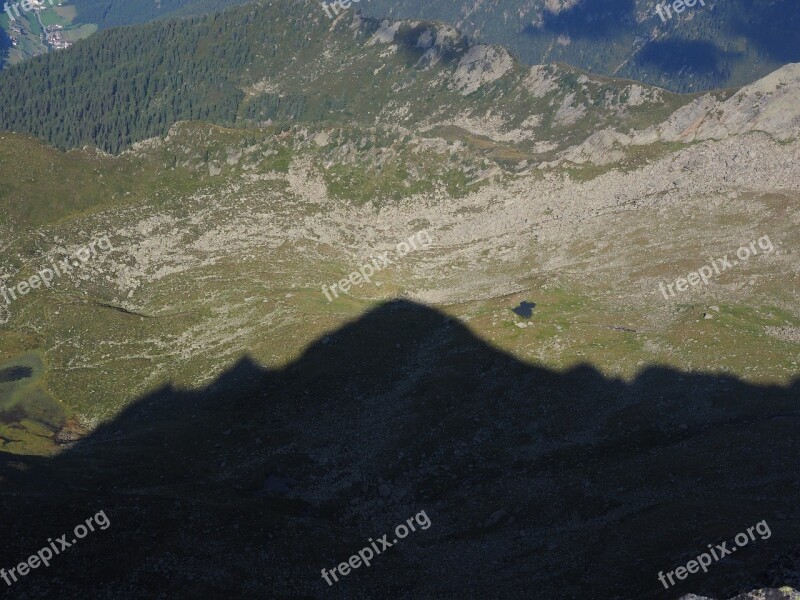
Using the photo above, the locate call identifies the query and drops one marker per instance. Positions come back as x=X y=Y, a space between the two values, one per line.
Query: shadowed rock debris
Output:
x=538 y=484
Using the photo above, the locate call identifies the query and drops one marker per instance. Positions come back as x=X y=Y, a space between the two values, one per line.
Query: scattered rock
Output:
x=69 y=433
x=787 y=334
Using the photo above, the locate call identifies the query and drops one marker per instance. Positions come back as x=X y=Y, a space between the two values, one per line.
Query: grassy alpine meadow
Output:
x=222 y=253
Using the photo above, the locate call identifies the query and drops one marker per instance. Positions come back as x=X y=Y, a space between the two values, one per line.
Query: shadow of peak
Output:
x=244 y=373
x=381 y=335
x=558 y=478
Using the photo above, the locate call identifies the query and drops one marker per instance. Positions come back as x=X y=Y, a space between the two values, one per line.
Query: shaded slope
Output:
x=285 y=63
x=566 y=483
x=113 y=13
x=724 y=43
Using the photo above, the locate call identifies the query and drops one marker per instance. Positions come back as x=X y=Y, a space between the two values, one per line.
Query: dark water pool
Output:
x=525 y=309
x=15 y=374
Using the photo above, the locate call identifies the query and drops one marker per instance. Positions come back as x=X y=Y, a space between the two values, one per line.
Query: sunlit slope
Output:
x=225 y=234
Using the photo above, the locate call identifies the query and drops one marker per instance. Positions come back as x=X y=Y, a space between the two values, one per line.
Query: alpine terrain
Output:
x=363 y=306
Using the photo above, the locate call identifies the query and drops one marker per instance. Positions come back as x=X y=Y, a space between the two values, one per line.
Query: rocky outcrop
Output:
x=481 y=65
x=770 y=105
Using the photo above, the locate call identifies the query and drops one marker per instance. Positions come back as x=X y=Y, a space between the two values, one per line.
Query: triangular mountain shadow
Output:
x=536 y=483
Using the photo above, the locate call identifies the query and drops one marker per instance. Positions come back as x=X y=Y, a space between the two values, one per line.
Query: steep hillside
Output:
x=232 y=69
x=232 y=215
x=46 y=27
x=113 y=13
x=721 y=43
x=56 y=25
x=124 y=86
x=714 y=45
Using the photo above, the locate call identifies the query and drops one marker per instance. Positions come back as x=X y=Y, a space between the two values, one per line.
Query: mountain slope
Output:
x=113 y=13
x=250 y=224
x=244 y=426
x=71 y=20
x=724 y=43
x=218 y=490
x=131 y=84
